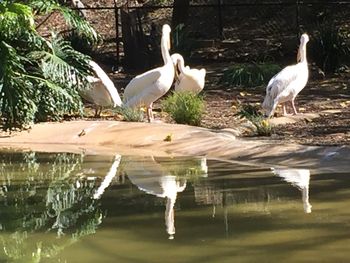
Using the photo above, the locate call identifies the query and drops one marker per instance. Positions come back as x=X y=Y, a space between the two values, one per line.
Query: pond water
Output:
x=83 y=208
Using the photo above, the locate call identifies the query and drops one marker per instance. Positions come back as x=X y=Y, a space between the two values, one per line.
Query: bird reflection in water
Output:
x=159 y=178
x=299 y=178
x=109 y=177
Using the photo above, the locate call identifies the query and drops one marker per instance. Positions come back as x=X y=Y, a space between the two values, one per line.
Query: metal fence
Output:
x=220 y=30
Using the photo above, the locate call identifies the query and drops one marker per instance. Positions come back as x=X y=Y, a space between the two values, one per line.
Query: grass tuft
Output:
x=184 y=107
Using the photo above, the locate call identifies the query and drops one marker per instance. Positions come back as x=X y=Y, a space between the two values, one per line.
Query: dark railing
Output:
x=219 y=15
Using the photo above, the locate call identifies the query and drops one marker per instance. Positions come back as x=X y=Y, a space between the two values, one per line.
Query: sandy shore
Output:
x=111 y=137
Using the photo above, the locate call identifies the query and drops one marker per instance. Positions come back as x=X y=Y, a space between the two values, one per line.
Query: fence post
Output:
x=116 y=14
x=297 y=18
x=220 y=20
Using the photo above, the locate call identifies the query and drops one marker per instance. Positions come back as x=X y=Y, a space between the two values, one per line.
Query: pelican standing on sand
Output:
x=102 y=91
x=188 y=79
x=286 y=84
x=146 y=88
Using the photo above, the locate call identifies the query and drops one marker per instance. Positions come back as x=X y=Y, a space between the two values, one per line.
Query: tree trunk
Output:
x=180 y=12
x=135 y=47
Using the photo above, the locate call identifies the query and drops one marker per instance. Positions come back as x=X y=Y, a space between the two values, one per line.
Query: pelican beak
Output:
x=299 y=55
x=169 y=45
x=177 y=80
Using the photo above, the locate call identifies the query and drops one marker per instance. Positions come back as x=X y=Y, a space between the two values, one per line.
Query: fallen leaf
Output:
x=168 y=138
x=82 y=133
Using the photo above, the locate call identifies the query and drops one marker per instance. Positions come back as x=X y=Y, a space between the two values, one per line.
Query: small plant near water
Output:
x=130 y=114
x=253 y=114
x=248 y=75
x=184 y=107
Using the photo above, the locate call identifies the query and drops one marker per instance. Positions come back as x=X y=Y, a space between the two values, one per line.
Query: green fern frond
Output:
x=71 y=17
x=17 y=107
x=60 y=61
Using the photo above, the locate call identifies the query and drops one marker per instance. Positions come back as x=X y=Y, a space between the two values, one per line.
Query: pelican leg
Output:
x=284 y=109
x=294 y=109
x=177 y=79
x=98 y=111
x=150 y=113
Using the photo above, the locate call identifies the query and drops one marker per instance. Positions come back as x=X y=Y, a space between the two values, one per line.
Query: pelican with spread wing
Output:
x=102 y=92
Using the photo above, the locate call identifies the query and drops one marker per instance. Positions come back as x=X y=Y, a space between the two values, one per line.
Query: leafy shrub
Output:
x=253 y=114
x=130 y=114
x=82 y=43
x=328 y=48
x=184 y=107
x=250 y=74
x=36 y=80
x=54 y=104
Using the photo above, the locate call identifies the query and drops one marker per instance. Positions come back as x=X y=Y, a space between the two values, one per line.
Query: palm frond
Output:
x=62 y=64
x=71 y=17
x=17 y=107
x=14 y=19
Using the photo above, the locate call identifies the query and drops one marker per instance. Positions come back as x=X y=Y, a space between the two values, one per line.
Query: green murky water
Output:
x=84 y=208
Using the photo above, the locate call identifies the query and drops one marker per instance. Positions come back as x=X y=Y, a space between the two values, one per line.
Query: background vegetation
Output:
x=36 y=82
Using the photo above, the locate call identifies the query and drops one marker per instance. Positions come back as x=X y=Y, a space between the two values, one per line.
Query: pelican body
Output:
x=287 y=84
x=102 y=91
x=190 y=80
x=148 y=87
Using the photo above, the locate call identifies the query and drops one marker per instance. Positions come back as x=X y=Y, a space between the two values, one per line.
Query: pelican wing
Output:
x=281 y=81
x=140 y=82
x=107 y=82
x=191 y=80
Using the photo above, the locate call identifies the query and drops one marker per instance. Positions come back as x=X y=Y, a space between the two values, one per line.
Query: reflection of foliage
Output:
x=189 y=168
x=42 y=192
x=249 y=74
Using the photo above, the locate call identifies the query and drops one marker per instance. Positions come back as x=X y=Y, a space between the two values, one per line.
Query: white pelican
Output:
x=286 y=84
x=146 y=88
x=102 y=91
x=189 y=79
x=299 y=178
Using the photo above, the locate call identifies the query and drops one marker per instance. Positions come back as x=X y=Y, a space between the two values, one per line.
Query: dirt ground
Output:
x=329 y=98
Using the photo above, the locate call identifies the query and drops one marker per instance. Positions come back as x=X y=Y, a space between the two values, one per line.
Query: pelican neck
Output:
x=302 y=53
x=182 y=63
x=164 y=49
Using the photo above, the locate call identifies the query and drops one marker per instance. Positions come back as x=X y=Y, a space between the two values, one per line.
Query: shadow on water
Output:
x=74 y=207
